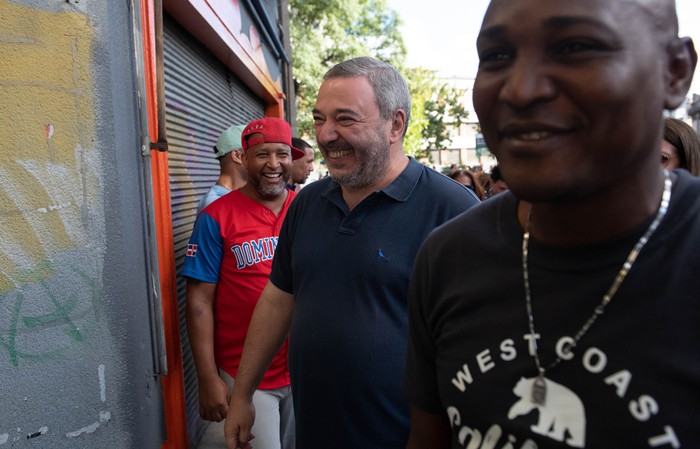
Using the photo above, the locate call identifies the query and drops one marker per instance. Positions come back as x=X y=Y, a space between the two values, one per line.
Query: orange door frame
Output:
x=172 y=383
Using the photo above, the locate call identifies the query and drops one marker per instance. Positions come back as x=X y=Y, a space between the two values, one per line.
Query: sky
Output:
x=442 y=37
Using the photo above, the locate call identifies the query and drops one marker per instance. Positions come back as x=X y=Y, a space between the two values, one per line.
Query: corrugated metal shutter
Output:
x=202 y=99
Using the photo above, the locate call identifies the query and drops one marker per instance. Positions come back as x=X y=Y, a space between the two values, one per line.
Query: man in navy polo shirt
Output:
x=340 y=275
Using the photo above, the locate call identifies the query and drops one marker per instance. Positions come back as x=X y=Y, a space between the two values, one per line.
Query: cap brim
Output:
x=297 y=153
x=220 y=153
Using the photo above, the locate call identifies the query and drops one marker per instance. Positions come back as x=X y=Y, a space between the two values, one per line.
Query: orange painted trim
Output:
x=276 y=109
x=149 y=54
x=172 y=383
x=221 y=17
x=216 y=24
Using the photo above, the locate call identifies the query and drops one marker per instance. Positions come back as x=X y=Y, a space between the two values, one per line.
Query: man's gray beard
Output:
x=270 y=192
x=369 y=170
x=365 y=176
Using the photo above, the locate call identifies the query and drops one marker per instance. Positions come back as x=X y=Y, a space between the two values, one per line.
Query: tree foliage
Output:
x=445 y=108
x=420 y=84
x=438 y=109
x=326 y=32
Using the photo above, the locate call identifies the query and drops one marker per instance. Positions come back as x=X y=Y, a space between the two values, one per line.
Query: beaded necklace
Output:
x=539 y=386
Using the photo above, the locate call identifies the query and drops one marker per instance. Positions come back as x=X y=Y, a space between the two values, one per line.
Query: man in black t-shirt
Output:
x=565 y=312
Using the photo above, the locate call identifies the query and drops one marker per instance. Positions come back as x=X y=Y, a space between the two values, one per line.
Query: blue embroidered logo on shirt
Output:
x=381 y=256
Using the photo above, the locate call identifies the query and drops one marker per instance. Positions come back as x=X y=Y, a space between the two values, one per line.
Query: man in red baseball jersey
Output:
x=227 y=265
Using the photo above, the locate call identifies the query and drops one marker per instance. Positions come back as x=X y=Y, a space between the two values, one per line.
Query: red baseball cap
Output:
x=273 y=130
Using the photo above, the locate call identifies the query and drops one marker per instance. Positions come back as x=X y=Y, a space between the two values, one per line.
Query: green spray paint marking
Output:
x=10 y=345
x=61 y=316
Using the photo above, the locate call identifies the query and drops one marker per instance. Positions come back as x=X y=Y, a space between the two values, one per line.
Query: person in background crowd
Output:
x=565 y=313
x=485 y=183
x=468 y=180
x=303 y=166
x=340 y=274
x=228 y=260
x=498 y=184
x=232 y=174
x=680 y=147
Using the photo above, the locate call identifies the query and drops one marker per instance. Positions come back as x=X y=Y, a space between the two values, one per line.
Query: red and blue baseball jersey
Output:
x=232 y=245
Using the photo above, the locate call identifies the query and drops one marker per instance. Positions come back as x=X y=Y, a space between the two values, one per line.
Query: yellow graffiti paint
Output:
x=48 y=134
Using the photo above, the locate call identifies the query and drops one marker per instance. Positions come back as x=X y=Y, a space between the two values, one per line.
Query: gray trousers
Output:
x=274 y=417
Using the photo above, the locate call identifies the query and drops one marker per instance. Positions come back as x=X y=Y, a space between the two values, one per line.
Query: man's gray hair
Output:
x=390 y=89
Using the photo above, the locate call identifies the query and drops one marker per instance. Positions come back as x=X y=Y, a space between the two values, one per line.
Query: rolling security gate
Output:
x=202 y=99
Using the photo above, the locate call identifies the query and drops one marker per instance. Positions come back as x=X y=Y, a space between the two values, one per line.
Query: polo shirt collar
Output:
x=400 y=189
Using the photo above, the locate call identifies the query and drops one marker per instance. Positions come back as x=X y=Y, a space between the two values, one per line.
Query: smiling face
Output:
x=569 y=93
x=351 y=134
x=269 y=166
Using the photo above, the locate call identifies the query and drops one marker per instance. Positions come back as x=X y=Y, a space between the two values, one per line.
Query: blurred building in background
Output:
x=467 y=148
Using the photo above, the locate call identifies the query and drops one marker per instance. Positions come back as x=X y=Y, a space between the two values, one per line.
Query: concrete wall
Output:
x=76 y=358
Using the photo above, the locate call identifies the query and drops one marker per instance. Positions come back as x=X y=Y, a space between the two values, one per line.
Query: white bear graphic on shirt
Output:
x=562 y=413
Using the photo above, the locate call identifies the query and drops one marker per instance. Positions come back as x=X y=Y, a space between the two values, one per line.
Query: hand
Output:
x=213 y=399
x=239 y=422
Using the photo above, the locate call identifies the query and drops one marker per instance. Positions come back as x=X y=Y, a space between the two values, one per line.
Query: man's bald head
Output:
x=661 y=15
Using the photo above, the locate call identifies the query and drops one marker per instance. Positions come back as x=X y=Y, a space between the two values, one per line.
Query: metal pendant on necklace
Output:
x=538 y=394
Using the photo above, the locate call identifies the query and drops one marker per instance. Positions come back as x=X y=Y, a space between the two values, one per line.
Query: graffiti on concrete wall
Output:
x=101 y=419
x=51 y=217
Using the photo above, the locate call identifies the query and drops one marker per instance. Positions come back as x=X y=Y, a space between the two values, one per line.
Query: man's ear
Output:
x=682 y=59
x=237 y=155
x=398 y=126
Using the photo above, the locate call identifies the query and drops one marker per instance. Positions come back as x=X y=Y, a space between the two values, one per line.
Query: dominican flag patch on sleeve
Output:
x=191 y=250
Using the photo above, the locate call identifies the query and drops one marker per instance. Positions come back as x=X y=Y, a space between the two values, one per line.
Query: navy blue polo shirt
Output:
x=349 y=274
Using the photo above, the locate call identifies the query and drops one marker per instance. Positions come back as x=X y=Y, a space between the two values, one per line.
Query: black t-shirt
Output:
x=632 y=382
